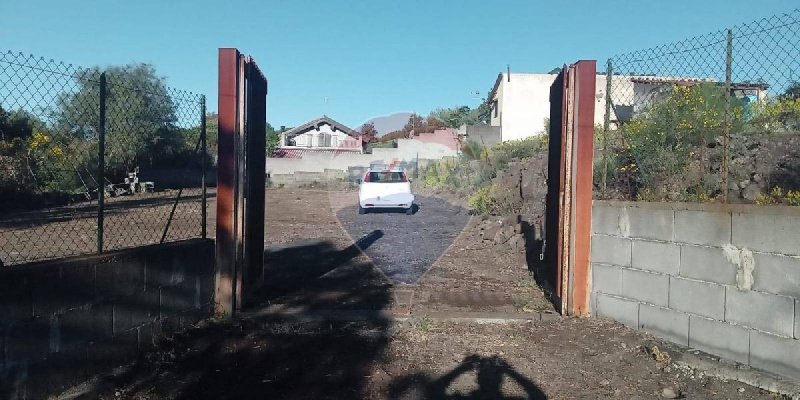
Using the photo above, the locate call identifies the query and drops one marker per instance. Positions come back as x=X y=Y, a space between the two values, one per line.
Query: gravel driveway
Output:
x=404 y=246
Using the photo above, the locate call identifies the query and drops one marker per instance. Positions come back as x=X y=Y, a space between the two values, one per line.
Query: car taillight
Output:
x=366 y=178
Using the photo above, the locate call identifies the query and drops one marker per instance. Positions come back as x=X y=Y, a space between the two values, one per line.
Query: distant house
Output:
x=639 y=92
x=323 y=134
x=520 y=102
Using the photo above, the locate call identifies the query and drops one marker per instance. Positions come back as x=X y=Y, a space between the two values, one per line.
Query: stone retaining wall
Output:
x=721 y=279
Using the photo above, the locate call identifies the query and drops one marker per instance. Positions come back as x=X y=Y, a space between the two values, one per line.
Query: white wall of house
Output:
x=523 y=102
x=326 y=137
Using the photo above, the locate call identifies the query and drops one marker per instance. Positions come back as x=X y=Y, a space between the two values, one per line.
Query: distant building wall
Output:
x=482 y=134
x=523 y=103
x=721 y=279
x=425 y=146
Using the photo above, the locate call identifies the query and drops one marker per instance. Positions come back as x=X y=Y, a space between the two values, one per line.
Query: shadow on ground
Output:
x=272 y=357
x=490 y=372
x=314 y=274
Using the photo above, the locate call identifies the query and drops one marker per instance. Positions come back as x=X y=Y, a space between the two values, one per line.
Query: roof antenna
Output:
x=508 y=72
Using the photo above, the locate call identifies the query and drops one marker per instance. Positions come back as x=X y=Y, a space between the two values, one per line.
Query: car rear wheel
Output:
x=362 y=210
x=410 y=210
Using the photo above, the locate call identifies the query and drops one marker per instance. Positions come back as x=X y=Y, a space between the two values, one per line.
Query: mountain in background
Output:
x=389 y=123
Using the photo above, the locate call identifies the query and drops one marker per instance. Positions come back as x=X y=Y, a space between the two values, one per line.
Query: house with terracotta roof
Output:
x=323 y=135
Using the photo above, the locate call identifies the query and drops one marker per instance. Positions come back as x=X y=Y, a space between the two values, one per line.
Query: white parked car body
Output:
x=385 y=188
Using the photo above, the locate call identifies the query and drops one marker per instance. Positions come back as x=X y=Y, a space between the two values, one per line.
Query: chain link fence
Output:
x=711 y=118
x=93 y=160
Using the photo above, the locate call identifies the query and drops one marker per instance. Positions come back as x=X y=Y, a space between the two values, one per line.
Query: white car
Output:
x=385 y=188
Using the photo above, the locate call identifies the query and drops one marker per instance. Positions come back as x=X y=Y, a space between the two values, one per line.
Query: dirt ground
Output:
x=319 y=351
x=416 y=359
x=468 y=276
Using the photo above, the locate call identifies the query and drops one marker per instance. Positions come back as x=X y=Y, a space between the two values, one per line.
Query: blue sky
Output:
x=368 y=58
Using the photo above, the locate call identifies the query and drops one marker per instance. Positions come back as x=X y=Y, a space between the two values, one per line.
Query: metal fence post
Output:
x=204 y=155
x=726 y=122
x=204 y=145
x=101 y=162
x=606 y=125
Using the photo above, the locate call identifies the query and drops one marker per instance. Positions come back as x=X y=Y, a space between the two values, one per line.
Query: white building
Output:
x=520 y=102
x=320 y=134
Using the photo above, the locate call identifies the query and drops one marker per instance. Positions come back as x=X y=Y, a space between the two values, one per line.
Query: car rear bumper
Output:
x=397 y=200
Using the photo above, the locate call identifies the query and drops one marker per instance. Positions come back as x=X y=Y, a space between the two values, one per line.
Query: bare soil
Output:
x=313 y=265
x=417 y=359
x=468 y=276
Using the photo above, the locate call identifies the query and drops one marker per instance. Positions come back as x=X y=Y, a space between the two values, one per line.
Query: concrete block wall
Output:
x=63 y=320
x=721 y=279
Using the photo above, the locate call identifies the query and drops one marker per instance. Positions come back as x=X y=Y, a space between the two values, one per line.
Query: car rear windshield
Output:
x=387 y=177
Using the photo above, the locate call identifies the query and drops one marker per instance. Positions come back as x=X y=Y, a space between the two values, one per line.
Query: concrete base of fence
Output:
x=64 y=320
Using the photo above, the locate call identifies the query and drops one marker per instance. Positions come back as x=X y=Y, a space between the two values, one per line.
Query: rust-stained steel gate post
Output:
x=569 y=194
x=240 y=180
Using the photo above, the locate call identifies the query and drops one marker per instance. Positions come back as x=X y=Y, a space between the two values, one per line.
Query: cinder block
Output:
x=128 y=276
x=775 y=354
x=767 y=312
x=656 y=256
x=697 y=297
x=766 y=233
x=702 y=227
x=80 y=326
x=611 y=250
x=15 y=297
x=174 y=300
x=720 y=338
x=607 y=279
x=651 y=223
x=80 y=281
x=707 y=264
x=135 y=310
x=645 y=286
x=668 y=324
x=27 y=343
x=618 y=309
x=777 y=274
x=47 y=291
x=606 y=220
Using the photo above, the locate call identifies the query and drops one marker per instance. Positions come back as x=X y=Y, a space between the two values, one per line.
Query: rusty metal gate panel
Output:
x=569 y=191
x=240 y=180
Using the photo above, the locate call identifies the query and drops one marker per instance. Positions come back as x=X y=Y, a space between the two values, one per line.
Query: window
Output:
x=386 y=177
x=495 y=108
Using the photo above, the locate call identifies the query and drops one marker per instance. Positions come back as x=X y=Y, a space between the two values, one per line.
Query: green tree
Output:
x=793 y=92
x=415 y=123
x=140 y=116
x=16 y=124
x=273 y=139
x=368 y=134
x=456 y=117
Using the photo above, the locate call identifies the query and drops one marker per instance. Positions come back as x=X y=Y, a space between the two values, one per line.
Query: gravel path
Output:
x=404 y=246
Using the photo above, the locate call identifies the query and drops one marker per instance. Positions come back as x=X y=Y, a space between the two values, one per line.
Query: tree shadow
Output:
x=314 y=274
x=274 y=355
x=490 y=373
